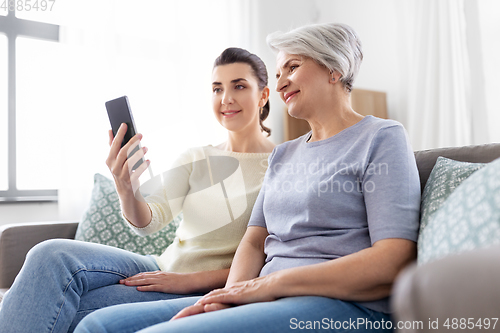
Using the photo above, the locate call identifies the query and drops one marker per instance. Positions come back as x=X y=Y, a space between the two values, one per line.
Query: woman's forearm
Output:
x=206 y=281
x=250 y=257
x=136 y=212
x=362 y=276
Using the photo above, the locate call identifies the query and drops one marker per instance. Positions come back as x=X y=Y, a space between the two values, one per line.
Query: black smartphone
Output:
x=119 y=112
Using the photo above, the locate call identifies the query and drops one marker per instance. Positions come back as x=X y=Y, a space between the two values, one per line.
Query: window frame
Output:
x=13 y=27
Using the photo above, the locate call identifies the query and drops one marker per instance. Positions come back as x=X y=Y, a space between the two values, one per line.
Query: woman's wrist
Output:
x=137 y=213
x=277 y=284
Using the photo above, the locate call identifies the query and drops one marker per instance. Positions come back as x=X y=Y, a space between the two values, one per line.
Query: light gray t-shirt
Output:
x=326 y=199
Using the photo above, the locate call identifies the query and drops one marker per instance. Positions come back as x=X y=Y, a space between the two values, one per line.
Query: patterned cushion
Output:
x=444 y=179
x=468 y=219
x=103 y=223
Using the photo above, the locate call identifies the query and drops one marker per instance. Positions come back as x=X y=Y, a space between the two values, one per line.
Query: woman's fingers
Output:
x=115 y=146
x=134 y=179
x=118 y=162
x=151 y=287
x=215 y=307
x=210 y=294
x=251 y=291
x=145 y=284
x=199 y=308
x=110 y=134
x=116 y=143
x=136 y=282
x=136 y=156
x=190 y=311
x=126 y=150
x=139 y=277
x=226 y=298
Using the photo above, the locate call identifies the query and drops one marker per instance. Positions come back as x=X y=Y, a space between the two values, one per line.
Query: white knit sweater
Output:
x=216 y=191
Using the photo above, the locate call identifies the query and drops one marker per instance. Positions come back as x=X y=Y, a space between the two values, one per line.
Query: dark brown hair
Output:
x=236 y=55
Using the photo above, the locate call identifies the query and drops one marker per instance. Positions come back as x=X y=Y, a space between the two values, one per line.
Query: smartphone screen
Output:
x=119 y=112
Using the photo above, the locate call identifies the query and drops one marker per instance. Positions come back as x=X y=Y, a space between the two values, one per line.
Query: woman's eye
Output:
x=293 y=67
x=239 y=86
x=217 y=90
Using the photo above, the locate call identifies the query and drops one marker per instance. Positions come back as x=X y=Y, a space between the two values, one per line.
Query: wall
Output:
x=268 y=17
x=380 y=25
x=383 y=27
x=28 y=212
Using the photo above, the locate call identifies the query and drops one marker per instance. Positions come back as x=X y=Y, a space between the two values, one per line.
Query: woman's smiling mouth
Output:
x=230 y=113
x=289 y=95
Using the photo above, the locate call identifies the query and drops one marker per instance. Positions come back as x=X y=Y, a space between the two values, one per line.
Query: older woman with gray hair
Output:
x=334 y=223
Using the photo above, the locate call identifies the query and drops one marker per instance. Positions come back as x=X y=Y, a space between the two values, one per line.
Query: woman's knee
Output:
x=90 y=324
x=54 y=253
x=49 y=248
x=103 y=320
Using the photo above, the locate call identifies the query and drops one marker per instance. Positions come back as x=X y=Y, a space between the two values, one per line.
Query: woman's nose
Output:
x=281 y=84
x=227 y=98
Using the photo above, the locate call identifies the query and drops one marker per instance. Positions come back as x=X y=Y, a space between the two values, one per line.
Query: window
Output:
x=66 y=63
x=4 y=183
x=37 y=119
x=13 y=28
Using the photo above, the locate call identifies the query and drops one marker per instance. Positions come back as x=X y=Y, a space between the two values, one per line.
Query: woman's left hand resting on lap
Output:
x=178 y=283
x=362 y=276
x=252 y=291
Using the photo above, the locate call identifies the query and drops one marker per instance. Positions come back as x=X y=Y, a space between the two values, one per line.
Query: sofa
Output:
x=445 y=287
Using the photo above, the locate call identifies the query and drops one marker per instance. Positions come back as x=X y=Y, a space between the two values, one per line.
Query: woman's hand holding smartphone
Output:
x=121 y=162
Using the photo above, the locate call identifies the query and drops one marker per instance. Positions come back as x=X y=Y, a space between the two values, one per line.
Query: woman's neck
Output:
x=249 y=142
x=333 y=118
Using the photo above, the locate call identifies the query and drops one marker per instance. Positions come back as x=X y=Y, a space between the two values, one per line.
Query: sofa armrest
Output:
x=17 y=239
x=465 y=285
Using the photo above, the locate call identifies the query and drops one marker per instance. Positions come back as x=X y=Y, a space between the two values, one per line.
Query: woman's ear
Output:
x=335 y=76
x=264 y=97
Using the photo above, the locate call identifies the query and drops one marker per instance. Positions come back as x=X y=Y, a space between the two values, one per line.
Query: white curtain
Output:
x=158 y=53
x=439 y=79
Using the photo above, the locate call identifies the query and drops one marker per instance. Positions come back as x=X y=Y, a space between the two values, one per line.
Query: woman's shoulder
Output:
x=292 y=144
x=377 y=124
x=376 y=128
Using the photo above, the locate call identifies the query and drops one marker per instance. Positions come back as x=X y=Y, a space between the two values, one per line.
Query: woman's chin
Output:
x=232 y=127
x=295 y=113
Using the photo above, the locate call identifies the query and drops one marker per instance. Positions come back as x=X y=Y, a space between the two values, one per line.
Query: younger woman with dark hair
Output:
x=64 y=280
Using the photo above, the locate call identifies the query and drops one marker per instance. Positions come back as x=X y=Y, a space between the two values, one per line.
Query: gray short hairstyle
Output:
x=333 y=45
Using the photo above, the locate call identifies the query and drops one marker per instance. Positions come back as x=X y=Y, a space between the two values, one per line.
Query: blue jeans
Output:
x=289 y=314
x=64 y=280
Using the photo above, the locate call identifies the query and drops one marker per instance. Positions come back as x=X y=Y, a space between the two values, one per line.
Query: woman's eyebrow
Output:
x=286 y=65
x=232 y=81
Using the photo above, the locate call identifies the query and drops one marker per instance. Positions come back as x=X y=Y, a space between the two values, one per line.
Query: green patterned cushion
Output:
x=444 y=179
x=103 y=223
x=468 y=219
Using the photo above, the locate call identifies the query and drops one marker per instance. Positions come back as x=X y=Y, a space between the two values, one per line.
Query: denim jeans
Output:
x=310 y=313
x=64 y=280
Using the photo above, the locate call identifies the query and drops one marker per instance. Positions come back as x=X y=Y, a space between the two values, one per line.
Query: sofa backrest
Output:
x=475 y=154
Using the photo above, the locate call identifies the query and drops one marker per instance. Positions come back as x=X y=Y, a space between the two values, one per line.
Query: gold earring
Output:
x=261 y=110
